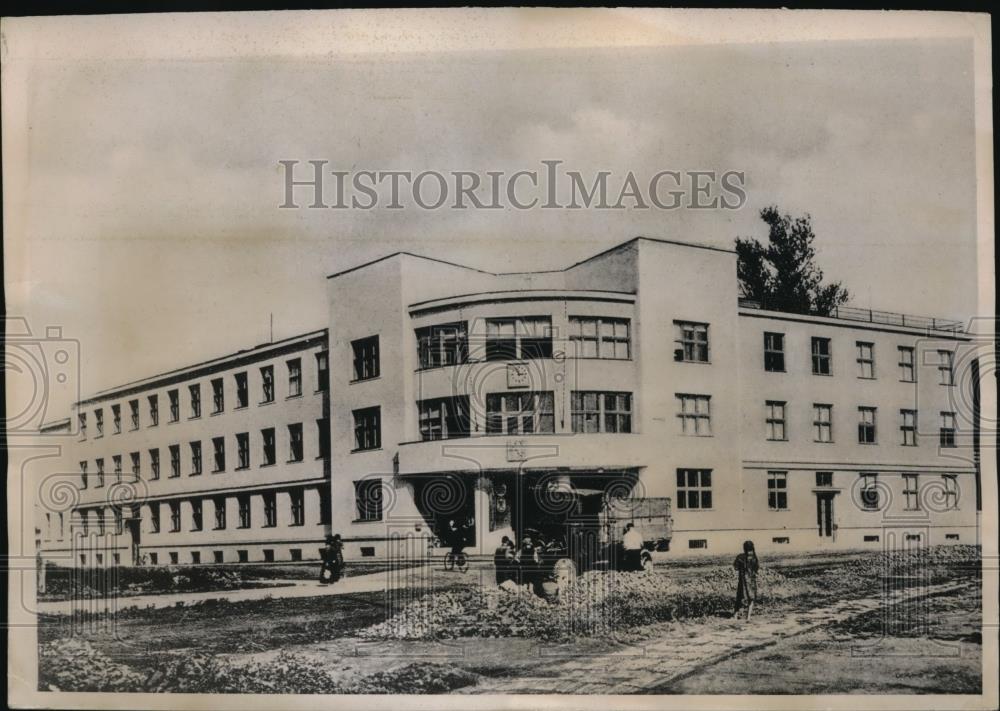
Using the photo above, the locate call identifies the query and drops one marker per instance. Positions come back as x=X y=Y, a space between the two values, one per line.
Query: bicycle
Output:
x=457 y=561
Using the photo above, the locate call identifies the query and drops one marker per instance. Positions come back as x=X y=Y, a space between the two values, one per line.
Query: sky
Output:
x=149 y=229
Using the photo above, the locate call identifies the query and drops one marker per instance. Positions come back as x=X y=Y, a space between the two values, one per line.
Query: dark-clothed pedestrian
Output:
x=503 y=559
x=526 y=562
x=333 y=560
x=747 y=565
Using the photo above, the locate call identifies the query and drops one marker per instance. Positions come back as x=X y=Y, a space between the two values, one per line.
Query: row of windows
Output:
x=196 y=455
x=296 y=498
x=822 y=425
x=822 y=359
x=240 y=391
x=194 y=557
x=694 y=489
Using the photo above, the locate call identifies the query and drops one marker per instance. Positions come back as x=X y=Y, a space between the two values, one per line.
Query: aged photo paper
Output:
x=509 y=358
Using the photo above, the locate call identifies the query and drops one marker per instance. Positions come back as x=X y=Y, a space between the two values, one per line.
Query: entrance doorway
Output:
x=824 y=514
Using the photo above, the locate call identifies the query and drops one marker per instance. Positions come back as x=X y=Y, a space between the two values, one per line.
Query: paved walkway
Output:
x=415 y=577
x=657 y=662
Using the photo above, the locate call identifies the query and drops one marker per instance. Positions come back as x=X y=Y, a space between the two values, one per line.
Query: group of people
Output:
x=521 y=564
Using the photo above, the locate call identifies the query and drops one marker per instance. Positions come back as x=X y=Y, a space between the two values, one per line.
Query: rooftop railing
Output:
x=888 y=318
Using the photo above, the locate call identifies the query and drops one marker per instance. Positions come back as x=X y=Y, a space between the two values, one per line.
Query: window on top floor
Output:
x=946 y=367
x=599 y=337
x=267 y=384
x=519 y=413
x=99 y=422
x=821 y=360
x=195 y=391
x=116 y=418
x=154 y=410
x=594 y=411
x=444 y=418
x=82 y=418
x=366 y=358
x=866 y=360
x=322 y=371
x=174 y=397
x=294 y=377
x=133 y=407
x=442 y=345
x=218 y=396
x=242 y=390
x=524 y=338
x=691 y=339
x=907 y=365
x=774 y=352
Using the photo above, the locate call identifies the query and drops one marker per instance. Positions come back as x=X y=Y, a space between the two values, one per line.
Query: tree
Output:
x=782 y=275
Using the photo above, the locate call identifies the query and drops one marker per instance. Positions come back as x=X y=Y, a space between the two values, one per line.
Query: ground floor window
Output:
x=694 y=488
x=911 y=492
x=368 y=499
x=777 y=491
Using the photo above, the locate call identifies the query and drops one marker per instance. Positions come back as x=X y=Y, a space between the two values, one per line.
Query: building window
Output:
x=196 y=512
x=242 y=390
x=911 y=492
x=519 y=413
x=100 y=522
x=154 y=517
x=908 y=426
x=100 y=472
x=694 y=488
x=218 y=396
x=270 y=509
x=526 y=337
x=323 y=437
x=322 y=371
x=594 y=411
x=99 y=422
x=195 y=558
x=243 y=450
x=295 y=554
x=244 y=509
x=946 y=367
x=116 y=418
x=219 y=504
x=445 y=344
x=366 y=358
x=774 y=352
x=907 y=369
x=950 y=482
x=173 y=558
x=866 y=425
x=242 y=556
x=368 y=428
x=444 y=418
x=777 y=491
x=154 y=464
x=195 y=458
x=368 y=499
x=824 y=478
x=947 y=429
x=866 y=360
x=869 y=491
x=821 y=362
x=83 y=475
x=691 y=341
x=218 y=556
x=298 y=507
x=117 y=463
x=267 y=384
x=268 y=441
x=175 y=405
x=116 y=512
x=268 y=555
x=775 y=416
x=600 y=337
x=82 y=417
x=195 y=392
x=219 y=453
x=822 y=422
x=175 y=461
x=154 y=410
x=295 y=442
x=294 y=377
x=133 y=408
x=694 y=413
x=175 y=516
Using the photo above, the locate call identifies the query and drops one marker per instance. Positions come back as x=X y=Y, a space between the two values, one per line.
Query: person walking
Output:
x=747 y=565
x=632 y=544
x=333 y=560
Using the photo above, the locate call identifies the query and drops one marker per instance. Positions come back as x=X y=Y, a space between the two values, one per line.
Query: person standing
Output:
x=747 y=566
x=503 y=558
x=333 y=560
x=632 y=544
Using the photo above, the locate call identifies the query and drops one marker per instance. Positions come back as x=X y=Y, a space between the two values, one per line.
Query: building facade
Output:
x=441 y=393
